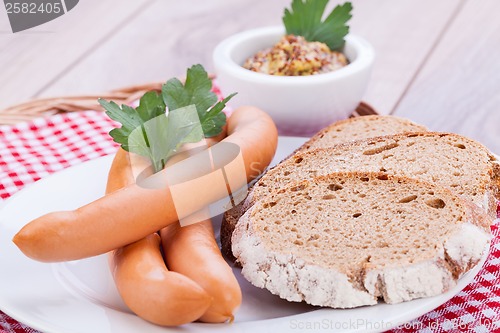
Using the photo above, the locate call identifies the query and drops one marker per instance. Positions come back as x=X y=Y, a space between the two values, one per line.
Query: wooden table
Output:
x=438 y=62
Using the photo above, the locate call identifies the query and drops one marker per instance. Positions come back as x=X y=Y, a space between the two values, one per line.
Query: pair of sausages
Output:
x=201 y=285
x=125 y=223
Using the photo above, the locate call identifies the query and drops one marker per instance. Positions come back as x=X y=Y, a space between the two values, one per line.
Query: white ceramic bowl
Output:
x=300 y=105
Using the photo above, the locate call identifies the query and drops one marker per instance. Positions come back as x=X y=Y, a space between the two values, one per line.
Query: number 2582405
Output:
x=32 y=8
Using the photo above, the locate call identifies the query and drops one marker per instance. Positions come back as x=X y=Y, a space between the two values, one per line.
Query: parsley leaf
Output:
x=304 y=19
x=125 y=115
x=150 y=105
x=160 y=138
x=150 y=131
x=197 y=90
x=213 y=120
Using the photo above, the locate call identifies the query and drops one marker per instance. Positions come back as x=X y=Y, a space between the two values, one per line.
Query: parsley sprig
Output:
x=150 y=131
x=305 y=19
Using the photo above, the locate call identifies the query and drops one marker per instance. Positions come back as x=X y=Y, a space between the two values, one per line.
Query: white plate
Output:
x=80 y=297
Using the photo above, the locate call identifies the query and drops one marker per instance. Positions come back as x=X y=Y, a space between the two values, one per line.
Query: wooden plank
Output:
x=171 y=35
x=403 y=34
x=163 y=41
x=30 y=60
x=458 y=90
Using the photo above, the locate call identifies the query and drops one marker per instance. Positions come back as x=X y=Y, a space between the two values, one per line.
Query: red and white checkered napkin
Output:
x=30 y=151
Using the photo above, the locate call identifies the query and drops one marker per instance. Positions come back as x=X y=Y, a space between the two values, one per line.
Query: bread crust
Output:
x=400 y=125
x=229 y=221
x=495 y=188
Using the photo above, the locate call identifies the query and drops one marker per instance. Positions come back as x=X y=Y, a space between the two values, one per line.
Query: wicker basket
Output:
x=48 y=106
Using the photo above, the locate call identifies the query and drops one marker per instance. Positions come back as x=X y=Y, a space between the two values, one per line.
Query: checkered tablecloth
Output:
x=31 y=151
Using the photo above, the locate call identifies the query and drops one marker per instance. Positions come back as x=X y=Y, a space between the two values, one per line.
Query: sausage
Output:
x=192 y=251
x=143 y=281
x=132 y=213
x=151 y=291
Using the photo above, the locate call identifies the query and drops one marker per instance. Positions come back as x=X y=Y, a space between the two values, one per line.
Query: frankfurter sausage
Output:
x=141 y=277
x=192 y=251
x=151 y=291
x=112 y=221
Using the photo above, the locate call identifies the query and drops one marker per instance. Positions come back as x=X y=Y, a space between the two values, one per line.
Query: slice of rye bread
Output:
x=350 y=129
x=347 y=239
x=450 y=160
x=358 y=128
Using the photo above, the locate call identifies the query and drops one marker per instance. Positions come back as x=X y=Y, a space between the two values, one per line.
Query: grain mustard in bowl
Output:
x=300 y=104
